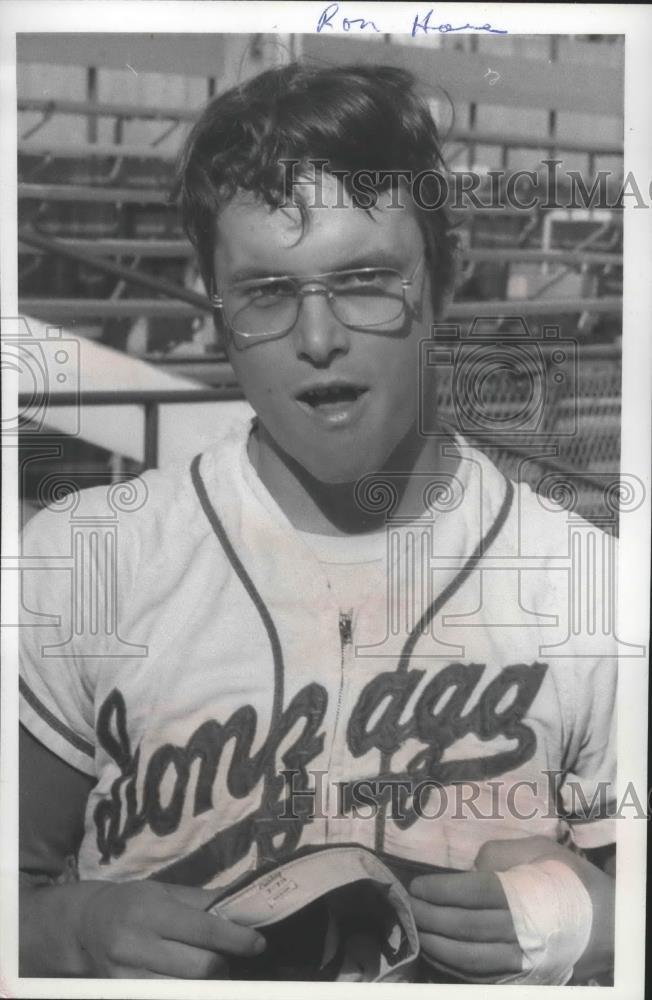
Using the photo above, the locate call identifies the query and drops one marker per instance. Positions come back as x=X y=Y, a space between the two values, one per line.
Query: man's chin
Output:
x=335 y=463
x=338 y=473
x=337 y=478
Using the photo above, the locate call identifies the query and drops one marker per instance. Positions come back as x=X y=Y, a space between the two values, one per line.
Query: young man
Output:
x=326 y=598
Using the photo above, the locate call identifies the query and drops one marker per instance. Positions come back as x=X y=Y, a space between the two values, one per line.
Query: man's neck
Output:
x=333 y=509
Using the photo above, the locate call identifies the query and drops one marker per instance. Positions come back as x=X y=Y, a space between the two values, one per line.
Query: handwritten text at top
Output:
x=330 y=18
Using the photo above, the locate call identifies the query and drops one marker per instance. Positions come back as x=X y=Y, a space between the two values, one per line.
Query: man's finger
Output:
x=183 y=961
x=136 y=972
x=499 y=855
x=207 y=930
x=476 y=959
x=470 y=890
x=198 y=898
x=462 y=924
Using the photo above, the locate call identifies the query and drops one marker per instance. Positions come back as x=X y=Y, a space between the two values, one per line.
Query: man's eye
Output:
x=360 y=279
x=269 y=293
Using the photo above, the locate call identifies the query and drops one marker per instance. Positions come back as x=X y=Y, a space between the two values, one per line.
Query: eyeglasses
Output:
x=364 y=298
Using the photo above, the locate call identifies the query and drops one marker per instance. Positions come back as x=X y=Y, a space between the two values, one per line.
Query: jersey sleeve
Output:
x=586 y=674
x=52 y=797
x=589 y=792
x=56 y=682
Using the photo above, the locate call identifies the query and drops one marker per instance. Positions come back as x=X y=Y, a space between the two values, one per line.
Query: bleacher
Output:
x=102 y=252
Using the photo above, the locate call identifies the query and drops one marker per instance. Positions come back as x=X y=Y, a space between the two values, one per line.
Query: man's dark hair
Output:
x=356 y=118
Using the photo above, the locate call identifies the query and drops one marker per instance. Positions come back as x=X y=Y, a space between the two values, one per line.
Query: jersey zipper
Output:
x=346 y=648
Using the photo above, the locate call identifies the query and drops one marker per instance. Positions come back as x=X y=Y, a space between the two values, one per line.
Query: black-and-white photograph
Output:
x=320 y=473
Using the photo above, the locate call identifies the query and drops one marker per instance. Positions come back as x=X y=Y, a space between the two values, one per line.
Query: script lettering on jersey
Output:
x=439 y=720
x=121 y=815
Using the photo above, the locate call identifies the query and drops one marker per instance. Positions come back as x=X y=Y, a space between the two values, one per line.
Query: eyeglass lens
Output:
x=358 y=299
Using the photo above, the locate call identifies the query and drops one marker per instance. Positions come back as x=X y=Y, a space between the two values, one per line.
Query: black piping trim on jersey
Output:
x=78 y=742
x=478 y=553
x=246 y=581
x=408 y=647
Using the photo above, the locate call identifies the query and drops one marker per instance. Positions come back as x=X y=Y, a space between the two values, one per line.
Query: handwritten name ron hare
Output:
x=330 y=18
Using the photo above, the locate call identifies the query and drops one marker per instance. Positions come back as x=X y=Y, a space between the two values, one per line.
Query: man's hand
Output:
x=93 y=928
x=465 y=924
x=148 y=930
x=136 y=930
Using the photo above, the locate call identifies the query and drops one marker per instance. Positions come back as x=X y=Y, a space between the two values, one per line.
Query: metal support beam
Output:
x=130 y=275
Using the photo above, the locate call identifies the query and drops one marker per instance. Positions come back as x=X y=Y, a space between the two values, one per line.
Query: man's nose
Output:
x=318 y=334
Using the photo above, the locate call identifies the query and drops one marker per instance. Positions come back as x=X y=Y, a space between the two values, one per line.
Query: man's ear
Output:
x=448 y=280
x=446 y=301
x=448 y=291
x=221 y=334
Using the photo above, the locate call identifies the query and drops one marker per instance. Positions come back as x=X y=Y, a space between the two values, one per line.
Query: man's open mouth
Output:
x=335 y=402
x=331 y=395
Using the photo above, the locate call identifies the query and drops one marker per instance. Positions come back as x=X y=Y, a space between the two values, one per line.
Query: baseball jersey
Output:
x=235 y=700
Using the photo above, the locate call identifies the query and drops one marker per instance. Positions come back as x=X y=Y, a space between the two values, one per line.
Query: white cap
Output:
x=371 y=935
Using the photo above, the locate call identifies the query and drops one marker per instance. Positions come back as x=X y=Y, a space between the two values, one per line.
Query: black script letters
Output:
x=440 y=719
x=206 y=744
x=440 y=727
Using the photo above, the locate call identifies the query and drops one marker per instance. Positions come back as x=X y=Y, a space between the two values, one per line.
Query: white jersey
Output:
x=195 y=660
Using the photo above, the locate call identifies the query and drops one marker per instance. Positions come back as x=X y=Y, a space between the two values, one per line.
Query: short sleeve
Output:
x=56 y=688
x=589 y=791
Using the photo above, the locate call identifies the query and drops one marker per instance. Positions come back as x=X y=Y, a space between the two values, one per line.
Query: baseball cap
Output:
x=335 y=914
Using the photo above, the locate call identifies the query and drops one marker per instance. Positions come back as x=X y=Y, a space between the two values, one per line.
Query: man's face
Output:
x=337 y=400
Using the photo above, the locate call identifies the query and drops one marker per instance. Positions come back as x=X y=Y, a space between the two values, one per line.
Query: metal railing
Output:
x=179 y=249
x=130 y=274
x=464 y=137
x=53 y=310
x=149 y=399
